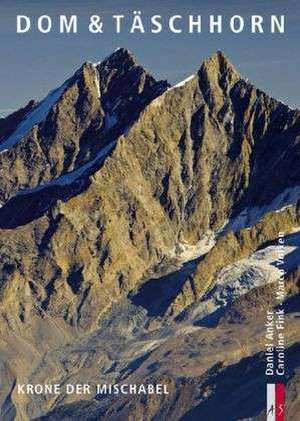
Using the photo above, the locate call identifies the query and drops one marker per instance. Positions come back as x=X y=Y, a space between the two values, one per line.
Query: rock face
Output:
x=8 y=124
x=73 y=122
x=114 y=181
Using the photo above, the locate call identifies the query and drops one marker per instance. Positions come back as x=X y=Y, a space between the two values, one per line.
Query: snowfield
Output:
x=33 y=118
x=251 y=216
x=71 y=176
x=261 y=268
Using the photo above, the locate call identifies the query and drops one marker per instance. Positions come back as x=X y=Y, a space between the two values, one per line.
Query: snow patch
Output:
x=72 y=176
x=97 y=63
x=237 y=279
x=186 y=252
x=183 y=82
x=251 y=216
x=33 y=118
x=159 y=99
x=110 y=120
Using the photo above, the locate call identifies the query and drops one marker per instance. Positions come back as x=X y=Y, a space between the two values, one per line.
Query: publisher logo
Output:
x=275 y=402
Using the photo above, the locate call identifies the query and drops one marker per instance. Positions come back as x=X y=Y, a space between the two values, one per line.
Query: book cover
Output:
x=149 y=210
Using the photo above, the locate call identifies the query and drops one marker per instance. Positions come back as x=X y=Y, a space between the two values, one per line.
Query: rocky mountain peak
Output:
x=121 y=75
x=217 y=76
x=122 y=224
x=69 y=127
x=218 y=66
x=120 y=56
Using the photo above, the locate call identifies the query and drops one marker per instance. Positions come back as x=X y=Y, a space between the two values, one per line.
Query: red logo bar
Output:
x=279 y=401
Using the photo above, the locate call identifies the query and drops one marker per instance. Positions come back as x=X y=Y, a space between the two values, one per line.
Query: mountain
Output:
x=74 y=121
x=139 y=227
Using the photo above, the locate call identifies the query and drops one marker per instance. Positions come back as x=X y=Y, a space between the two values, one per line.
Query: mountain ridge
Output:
x=138 y=211
x=97 y=119
x=168 y=199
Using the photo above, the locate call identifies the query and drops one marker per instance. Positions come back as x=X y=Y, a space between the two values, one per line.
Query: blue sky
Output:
x=34 y=63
